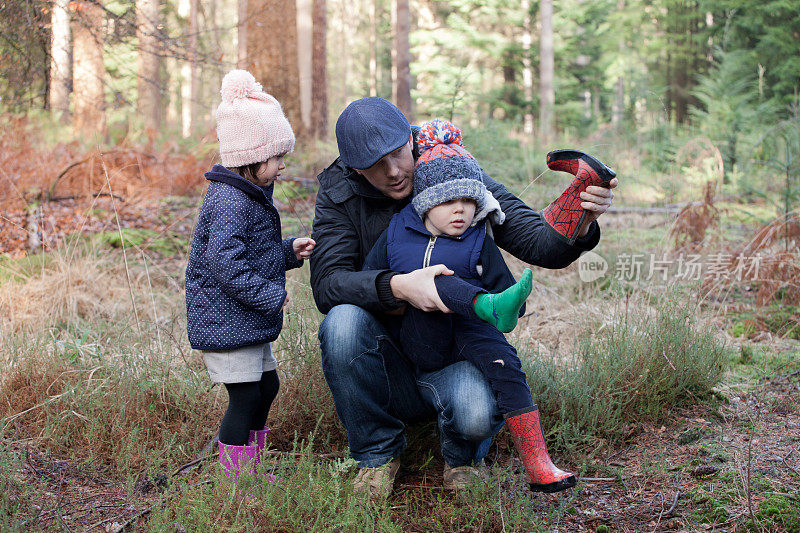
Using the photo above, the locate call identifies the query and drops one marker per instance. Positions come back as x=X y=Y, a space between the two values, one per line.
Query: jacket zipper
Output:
x=428 y=251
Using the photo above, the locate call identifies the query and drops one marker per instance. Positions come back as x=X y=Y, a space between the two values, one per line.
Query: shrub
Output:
x=105 y=411
x=636 y=370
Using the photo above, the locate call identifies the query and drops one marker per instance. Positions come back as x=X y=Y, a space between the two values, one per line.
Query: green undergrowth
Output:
x=12 y=499
x=311 y=494
x=778 y=512
x=781 y=320
x=754 y=361
x=635 y=370
x=718 y=499
x=166 y=244
x=315 y=494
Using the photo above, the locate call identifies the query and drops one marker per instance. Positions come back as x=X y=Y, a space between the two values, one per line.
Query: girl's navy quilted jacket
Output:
x=236 y=277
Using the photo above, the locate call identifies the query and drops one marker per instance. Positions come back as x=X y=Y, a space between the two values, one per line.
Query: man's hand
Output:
x=303 y=247
x=596 y=200
x=418 y=289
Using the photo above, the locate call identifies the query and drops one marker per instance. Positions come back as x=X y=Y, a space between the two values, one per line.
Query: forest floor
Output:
x=730 y=467
x=731 y=463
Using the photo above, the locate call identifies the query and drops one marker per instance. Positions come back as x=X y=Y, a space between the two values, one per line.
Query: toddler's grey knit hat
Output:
x=445 y=169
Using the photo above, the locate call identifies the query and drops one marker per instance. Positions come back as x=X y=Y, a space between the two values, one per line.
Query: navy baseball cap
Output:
x=368 y=129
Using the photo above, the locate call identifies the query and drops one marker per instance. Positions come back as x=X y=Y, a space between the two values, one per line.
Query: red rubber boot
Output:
x=566 y=215
x=543 y=476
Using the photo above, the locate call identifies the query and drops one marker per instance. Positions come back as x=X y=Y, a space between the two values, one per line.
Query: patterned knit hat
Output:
x=251 y=126
x=445 y=170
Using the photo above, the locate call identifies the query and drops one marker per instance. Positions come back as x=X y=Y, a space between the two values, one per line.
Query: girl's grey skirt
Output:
x=241 y=365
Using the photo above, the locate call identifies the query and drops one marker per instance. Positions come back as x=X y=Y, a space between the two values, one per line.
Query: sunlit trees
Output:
x=88 y=71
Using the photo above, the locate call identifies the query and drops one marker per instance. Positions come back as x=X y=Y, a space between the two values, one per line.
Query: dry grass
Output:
x=67 y=288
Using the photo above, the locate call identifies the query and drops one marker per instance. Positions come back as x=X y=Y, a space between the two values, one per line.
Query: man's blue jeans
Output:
x=376 y=393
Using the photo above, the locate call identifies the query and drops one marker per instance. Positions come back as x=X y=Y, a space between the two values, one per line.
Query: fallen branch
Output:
x=644 y=210
x=410 y=486
x=674 y=504
x=144 y=512
x=78 y=196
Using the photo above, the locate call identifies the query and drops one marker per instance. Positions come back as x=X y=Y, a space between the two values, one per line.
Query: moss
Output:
x=778 y=511
x=779 y=319
x=694 y=434
x=164 y=244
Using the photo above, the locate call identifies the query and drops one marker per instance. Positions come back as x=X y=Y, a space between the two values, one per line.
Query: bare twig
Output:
x=122 y=244
x=500 y=501
x=37 y=406
x=748 y=488
x=190 y=464
x=153 y=300
x=412 y=486
x=673 y=506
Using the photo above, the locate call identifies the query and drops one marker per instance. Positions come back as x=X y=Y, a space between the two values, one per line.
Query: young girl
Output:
x=236 y=276
x=445 y=223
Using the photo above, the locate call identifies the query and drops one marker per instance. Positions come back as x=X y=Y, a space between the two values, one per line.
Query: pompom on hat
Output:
x=445 y=169
x=251 y=126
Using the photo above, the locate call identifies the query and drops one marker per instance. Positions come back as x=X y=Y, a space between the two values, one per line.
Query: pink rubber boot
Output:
x=237 y=460
x=258 y=439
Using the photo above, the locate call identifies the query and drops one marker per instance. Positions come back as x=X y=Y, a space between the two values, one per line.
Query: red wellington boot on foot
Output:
x=543 y=476
x=566 y=215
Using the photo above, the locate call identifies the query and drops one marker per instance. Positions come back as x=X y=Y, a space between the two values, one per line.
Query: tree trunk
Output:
x=60 y=68
x=88 y=71
x=618 y=108
x=527 y=70
x=319 y=85
x=190 y=85
x=373 y=50
x=547 y=96
x=148 y=102
x=272 y=57
x=194 y=78
x=241 y=43
x=403 y=59
x=305 y=51
x=343 y=52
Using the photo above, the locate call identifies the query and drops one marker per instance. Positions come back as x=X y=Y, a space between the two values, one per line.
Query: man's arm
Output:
x=527 y=236
x=336 y=275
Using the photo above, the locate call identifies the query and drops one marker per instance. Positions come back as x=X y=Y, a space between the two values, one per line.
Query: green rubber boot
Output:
x=502 y=309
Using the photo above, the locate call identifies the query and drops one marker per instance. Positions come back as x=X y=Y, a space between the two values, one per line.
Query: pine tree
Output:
x=60 y=68
x=88 y=70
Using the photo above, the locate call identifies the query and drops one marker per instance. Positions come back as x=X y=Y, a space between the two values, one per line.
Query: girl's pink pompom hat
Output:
x=251 y=126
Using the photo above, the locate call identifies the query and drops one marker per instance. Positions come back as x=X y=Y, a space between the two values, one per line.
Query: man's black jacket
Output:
x=351 y=214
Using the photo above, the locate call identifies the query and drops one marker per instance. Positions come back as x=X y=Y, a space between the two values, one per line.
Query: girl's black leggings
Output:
x=248 y=407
